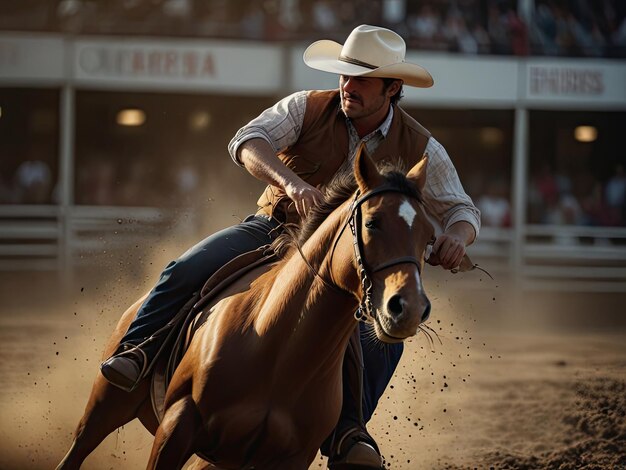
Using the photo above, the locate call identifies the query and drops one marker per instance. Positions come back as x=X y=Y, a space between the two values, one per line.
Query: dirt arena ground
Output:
x=517 y=382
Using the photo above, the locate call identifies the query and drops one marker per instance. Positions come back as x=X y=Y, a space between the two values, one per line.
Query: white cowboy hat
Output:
x=369 y=51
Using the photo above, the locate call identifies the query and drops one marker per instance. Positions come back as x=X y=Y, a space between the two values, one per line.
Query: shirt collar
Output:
x=383 y=128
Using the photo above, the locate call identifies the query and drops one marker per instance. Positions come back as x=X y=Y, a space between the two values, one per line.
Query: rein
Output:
x=364 y=312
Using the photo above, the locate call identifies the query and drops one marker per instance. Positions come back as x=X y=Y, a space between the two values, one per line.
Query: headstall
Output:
x=365 y=310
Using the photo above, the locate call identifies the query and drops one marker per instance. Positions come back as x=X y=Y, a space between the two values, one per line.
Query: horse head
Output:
x=390 y=233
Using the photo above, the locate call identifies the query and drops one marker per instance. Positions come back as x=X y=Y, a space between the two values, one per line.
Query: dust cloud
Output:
x=505 y=381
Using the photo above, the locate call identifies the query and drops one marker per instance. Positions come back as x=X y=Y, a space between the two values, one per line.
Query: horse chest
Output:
x=253 y=434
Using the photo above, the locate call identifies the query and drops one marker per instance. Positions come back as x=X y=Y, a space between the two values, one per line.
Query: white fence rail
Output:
x=93 y=230
x=561 y=258
x=556 y=257
x=30 y=238
x=50 y=238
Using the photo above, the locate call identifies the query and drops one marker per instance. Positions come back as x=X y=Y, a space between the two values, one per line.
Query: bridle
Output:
x=365 y=310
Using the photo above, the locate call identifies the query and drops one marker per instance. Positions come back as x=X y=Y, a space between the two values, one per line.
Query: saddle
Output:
x=181 y=328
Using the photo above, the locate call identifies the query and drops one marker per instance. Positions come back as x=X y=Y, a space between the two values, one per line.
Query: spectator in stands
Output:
x=553 y=199
x=186 y=182
x=426 y=27
x=456 y=33
x=481 y=37
x=71 y=15
x=619 y=36
x=371 y=71
x=33 y=182
x=495 y=209
x=137 y=187
x=289 y=15
x=498 y=28
x=324 y=16
x=214 y=18
x=615 y=195
x=589 y=41
x=543 y=31
x=96 y=182
x=588 y=193
x=547 y=186
x=5 y=191
x=176 y=15
x=565 y=41
x=518 y=33
x=252 y=22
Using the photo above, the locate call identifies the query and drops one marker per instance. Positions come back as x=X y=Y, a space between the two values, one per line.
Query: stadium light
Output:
x=585 y=133
x=491 y=136
x=200 y=120
x=131 y=117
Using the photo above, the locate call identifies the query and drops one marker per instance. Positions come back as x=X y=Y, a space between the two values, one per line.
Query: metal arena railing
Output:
x=550 y=257
x=52 y=238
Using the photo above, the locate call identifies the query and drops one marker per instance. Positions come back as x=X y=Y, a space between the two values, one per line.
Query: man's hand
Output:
x=449 y=247
x=304 y=196
x=260 y=160
x=448 y=251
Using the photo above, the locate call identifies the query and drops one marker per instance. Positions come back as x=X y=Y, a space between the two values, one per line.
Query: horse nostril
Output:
x=426 y=313
x=394 y=305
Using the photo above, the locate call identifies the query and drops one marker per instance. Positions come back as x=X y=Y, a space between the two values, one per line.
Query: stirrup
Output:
x=356 y=450
x=115 y=378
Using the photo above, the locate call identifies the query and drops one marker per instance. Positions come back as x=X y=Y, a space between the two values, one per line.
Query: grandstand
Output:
x=114 y=120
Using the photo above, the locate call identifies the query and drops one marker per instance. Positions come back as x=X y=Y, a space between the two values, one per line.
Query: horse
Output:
x=260 y=385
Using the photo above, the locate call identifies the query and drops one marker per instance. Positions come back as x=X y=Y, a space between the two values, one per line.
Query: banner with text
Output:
x=181 y=65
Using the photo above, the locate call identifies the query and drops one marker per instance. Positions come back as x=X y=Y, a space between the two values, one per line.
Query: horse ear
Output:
x=417 y=174
x=365 y=171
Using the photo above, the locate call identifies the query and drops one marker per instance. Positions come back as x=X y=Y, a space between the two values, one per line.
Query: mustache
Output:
x=352 y=97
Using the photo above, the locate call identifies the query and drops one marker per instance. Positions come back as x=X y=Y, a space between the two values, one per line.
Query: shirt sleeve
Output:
x=279 y=125
x=444 y=196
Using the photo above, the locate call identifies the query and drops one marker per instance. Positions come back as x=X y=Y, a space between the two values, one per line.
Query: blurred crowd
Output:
x=32 y=183
x=104 y=181
x=554 y=198
x=580 y=199
x=513 y=27
x=558 y=198
x=595 y=28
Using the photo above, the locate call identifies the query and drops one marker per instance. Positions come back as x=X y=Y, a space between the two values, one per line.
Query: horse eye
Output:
x=370 y=224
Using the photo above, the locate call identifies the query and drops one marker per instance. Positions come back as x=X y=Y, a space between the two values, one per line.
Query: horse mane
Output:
x=339 y=189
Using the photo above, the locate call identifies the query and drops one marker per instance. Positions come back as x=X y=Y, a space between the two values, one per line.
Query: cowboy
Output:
x=296 y=147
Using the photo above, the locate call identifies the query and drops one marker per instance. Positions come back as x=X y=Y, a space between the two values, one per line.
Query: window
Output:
x=29 y=143
x=480 y=144
x=576 y=168
x=157 y=149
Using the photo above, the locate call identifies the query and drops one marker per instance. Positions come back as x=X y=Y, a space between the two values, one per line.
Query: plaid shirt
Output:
x=445 y=199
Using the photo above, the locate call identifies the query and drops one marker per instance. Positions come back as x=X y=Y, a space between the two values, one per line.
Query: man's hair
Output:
x=398 y=96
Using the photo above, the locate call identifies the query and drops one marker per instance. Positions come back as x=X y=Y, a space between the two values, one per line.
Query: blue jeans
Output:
x=380 y=361
x=186 y=275
x=379 y=364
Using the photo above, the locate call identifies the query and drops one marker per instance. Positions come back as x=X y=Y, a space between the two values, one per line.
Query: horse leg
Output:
x=175 y=437
x=108 y=408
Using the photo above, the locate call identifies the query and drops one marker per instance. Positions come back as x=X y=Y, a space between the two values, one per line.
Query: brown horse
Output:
x=261 y=383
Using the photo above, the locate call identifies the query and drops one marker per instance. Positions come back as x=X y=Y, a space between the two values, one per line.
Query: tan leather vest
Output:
x=323 y=147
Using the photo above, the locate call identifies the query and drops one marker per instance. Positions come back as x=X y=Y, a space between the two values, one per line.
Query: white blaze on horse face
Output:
x=407 y=212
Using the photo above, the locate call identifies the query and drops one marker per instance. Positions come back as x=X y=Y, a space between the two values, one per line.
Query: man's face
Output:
x=363 y=97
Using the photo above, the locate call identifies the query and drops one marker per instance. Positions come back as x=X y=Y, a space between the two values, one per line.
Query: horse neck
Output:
x=302 y=309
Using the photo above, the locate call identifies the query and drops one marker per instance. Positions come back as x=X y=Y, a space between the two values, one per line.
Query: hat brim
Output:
x=324 y=55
